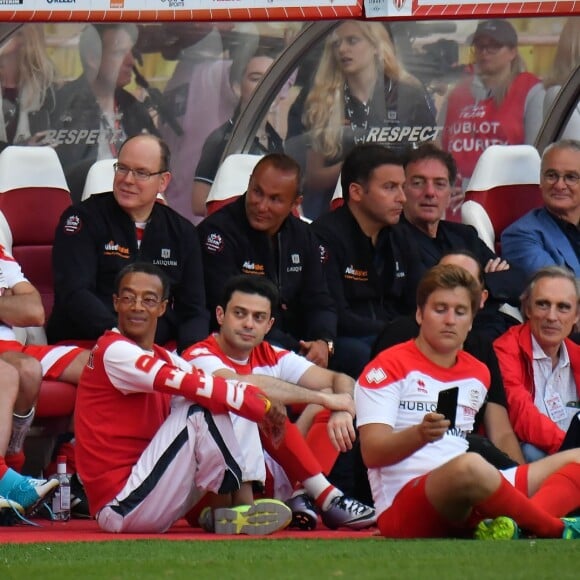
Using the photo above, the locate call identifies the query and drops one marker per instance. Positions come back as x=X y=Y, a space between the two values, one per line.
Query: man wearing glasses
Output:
x=96 y=239
x=549 y=235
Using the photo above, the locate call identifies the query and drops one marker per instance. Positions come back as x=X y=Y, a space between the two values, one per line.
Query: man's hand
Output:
x=433 y=427
x=274 y=423
x=496 y=265
x=315 y=351
x=341 y=430
x=339 y=402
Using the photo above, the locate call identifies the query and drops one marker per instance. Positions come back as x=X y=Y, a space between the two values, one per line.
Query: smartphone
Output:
x=447 y=404
x=575 y=404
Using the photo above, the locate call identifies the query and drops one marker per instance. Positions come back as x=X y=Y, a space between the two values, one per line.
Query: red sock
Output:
x=560 y=492
x=3 y=467
x=319 y=501
x=15 y=461
x=294 y=455
x=508 y=501
x=319 y=441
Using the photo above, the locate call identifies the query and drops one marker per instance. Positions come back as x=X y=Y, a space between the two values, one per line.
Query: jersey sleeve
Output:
x=377 y=395
x=10 y=271
x=292 y=366
x=131 y=370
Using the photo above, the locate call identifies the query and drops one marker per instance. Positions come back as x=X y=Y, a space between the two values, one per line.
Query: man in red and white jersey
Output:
x=239 y=351
x=22 y=368
x=424 y=482
x=154 y=435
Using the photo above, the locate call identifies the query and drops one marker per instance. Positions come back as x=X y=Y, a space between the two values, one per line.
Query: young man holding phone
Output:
x=424 y=482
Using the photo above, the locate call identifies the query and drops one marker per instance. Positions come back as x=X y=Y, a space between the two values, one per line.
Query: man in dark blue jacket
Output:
x=96 y=239
x=364 y=263
x=258 y=235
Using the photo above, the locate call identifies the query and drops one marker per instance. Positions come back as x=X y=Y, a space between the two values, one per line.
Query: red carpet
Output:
x=88 y=531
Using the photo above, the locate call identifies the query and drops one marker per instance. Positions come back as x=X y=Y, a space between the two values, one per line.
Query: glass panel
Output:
x=83 y=89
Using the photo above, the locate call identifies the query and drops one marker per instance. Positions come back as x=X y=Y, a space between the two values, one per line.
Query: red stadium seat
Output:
x=33 y=195
x=337 y=199
x=505 y=184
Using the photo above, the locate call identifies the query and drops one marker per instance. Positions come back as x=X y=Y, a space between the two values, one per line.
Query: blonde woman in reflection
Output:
x=27 y=77
x=361 y=92
x=566 y=60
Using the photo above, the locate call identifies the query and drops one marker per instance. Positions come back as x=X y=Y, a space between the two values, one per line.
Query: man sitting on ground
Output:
x=424 y=482
x=146 y=459
x=239 y=351
x=500 y=445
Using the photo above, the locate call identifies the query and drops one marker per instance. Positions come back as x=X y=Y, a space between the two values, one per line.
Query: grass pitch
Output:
x=300 y=559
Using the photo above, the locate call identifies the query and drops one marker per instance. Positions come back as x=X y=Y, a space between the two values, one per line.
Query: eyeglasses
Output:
x=138 y=174
x=148 y=302
x=552 y=177
x=489 y=48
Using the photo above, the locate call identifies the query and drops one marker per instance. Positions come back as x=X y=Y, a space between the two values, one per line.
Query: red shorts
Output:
x=53 y=359
x=411 y=514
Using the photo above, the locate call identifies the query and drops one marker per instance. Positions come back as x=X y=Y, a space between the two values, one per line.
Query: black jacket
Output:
x=370 y=285
x=231 y=246
x=94 y=241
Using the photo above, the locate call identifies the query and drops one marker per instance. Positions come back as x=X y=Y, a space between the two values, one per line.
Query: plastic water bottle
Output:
x=61 y=498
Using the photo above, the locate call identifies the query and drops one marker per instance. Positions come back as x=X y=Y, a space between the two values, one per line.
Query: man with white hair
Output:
x=549 y=235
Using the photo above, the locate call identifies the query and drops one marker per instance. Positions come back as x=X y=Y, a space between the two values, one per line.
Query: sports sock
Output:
x=318 y=440
x=20 y=427
x=560 y=492
x=508 y=501
x=294 y=455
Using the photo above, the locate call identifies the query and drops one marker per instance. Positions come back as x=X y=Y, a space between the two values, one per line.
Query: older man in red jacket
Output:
x=540 y=365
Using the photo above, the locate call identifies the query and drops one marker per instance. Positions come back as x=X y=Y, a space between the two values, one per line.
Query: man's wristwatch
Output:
x=330 y=344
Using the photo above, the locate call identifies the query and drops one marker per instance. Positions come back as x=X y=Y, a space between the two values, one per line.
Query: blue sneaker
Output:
x=26 y=491
x=571 y=529
x=348 y=512
x=502 y=528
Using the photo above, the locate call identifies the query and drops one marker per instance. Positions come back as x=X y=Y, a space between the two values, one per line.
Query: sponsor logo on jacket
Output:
x=114 y=249
x=356 y=274
x=249 y=267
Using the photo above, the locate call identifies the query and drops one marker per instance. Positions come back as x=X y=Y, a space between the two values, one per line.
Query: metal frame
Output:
x=248 y=122
x=562 y=107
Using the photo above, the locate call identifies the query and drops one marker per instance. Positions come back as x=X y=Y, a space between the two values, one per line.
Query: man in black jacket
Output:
x=258 y=235
x=94 y=114
x=365 y=268
x=430 y=176
x=96 y=239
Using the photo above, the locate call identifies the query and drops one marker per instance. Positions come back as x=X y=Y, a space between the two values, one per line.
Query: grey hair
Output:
x=548 y=272
x=573 y=144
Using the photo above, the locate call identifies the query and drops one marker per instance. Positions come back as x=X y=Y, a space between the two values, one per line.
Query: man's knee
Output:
x=468 y=470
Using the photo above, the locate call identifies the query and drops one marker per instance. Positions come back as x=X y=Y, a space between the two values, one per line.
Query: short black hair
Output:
x=431 y=151
x=362 y=161
x=145 y=268
x=251 y=284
